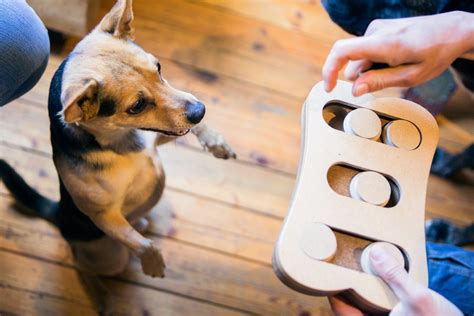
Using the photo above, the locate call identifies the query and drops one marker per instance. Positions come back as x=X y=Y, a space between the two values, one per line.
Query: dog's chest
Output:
x=145 y=183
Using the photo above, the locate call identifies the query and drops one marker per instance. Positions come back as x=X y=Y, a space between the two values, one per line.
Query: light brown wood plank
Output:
x=60 y=282
x=192 y=271
x=230 y=44
x=306 y=16
x=24 y=302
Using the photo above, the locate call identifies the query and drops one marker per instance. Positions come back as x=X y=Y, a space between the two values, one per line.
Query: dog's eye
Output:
x=158 y=67
x=138 y=107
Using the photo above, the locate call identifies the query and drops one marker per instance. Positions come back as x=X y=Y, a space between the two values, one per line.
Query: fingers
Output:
x=374 y=80
x=341 y=308
x=355 y=68
x=371 y=48
x=392 y=272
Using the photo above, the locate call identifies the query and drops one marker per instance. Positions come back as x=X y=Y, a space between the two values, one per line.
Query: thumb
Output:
x=392 y=272
x=374 y=80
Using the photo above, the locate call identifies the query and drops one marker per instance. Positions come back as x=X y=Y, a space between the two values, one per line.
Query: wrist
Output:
x=465 y=20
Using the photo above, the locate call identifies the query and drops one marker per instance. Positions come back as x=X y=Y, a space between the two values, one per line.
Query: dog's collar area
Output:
x=169 y=133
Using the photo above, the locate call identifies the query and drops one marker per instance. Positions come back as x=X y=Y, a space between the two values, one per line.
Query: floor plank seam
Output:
x=181 y=295
x=221 y=252
x=40 y=293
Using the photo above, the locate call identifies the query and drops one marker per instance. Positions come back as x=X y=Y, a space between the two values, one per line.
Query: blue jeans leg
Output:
x=24 y=49
x=451 y=274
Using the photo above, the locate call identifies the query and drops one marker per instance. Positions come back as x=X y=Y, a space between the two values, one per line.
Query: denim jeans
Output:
x=24 y=49
x=451 y=269
x=451 y=274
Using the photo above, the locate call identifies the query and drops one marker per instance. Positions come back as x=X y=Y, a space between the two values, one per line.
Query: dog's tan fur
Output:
x=107 y=64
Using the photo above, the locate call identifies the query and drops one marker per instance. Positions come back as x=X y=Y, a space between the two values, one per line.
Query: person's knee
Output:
x=24 y=49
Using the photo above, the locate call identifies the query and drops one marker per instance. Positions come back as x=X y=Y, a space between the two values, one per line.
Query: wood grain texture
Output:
x=192 y=271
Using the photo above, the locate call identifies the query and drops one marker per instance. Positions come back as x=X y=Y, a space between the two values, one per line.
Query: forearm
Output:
x=114 y=224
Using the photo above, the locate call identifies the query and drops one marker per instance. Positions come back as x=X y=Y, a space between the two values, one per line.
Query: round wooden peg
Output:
x=318 y=241
x=363 y=123
x=370 y=187
x=401 y=134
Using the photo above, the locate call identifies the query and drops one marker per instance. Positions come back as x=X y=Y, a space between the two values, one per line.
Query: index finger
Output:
x=372 y=48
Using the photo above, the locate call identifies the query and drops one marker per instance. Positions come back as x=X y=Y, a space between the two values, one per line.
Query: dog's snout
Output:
x=195 y=111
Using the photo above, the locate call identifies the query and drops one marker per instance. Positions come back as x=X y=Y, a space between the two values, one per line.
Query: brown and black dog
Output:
x=103 y=98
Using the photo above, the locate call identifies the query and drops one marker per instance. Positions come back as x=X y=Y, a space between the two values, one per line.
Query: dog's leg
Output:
x=213 y=142
x=114 y=224
x=97 y=291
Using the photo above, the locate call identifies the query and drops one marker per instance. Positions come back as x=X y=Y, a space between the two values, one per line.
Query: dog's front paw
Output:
x=152 y=261
x=215 y=143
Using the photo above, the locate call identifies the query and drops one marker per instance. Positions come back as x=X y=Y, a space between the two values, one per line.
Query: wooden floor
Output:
x=252 y=63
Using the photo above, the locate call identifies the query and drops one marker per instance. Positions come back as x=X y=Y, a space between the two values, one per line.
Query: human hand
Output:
x=416 y=50
x=415 y=299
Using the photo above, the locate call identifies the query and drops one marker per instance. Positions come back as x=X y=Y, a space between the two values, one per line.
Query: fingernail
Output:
x=360 y=89
x=378 y=253
x=326 y=86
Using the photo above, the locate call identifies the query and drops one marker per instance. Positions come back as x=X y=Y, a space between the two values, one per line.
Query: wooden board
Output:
x=308 y=17
x=192 y=271
x=62 y=290
x=301 y=257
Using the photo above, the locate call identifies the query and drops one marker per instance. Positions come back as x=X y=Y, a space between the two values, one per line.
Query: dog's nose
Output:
x=195 y=111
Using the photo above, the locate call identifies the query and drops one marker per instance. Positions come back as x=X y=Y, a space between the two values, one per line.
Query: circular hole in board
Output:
x=318 y=241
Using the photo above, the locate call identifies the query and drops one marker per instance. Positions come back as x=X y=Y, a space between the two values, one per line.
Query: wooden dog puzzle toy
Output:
x=362 y=180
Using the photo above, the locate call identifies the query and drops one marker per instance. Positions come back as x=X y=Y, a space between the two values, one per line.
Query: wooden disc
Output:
x=318 y=241
x=370 y=187
x=390 y=248
x=363 y=123
x=401 y=134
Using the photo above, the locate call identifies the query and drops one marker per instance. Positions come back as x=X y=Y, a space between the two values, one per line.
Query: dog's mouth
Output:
x=169 y=133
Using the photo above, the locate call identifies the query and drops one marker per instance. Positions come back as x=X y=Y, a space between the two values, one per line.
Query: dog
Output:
x=102 y=98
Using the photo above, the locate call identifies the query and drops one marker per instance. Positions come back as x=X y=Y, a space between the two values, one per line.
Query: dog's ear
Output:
x=118 y=21
x=80 y=101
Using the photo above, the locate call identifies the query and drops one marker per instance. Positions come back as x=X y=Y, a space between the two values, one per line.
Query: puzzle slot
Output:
x=340 y=177
x=372 y=125
x=352 y=252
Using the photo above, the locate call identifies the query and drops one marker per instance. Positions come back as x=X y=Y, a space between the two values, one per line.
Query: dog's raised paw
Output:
x=152 y=261
x=220 y=150
x=215 y=143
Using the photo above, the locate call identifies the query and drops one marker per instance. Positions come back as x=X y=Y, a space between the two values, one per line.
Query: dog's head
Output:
x=109 y=81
